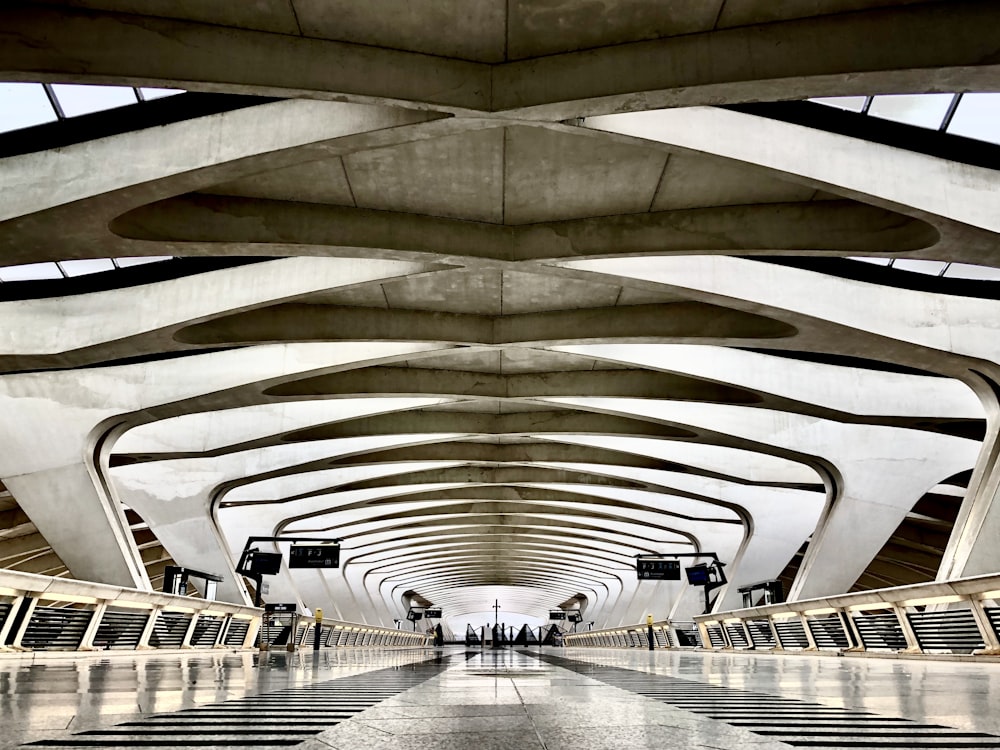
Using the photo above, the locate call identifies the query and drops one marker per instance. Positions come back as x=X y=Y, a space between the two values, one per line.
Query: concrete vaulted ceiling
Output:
x=500 y=296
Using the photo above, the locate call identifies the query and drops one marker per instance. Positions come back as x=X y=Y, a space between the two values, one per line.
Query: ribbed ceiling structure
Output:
x=502 y=294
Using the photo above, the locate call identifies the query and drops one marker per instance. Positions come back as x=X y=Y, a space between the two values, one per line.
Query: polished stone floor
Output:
x=549 y=699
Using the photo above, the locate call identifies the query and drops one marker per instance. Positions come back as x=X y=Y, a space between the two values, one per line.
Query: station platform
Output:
x=528 y=698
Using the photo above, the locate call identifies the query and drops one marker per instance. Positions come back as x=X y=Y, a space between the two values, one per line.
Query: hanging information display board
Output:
x=657 y=569
x=318 y=556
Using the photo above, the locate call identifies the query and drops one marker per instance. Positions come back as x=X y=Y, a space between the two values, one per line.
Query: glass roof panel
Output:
x=30 y=272
x=126 y=262
x=80 y=100
x=852 y=103
x=875 y=261
x=83 y=267
x=23 y=105
x=969 y=271
x=977 y=116
x=149 y=94
x=929 y=267
x=924 y=110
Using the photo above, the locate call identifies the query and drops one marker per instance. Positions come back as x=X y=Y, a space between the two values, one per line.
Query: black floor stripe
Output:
x=794 y=722
x=284 y=717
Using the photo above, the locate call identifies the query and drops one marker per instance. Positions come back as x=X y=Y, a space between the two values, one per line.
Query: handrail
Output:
x=93 y=605
x=939 y=616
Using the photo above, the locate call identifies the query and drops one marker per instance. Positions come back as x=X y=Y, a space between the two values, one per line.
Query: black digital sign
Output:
x=279 y=607
x=657 y=569
x=435 y=613
x=557 y=615
x=319 y=556
x=697 y=575
x=413 y=615
x=575 y=617
x=262 y=563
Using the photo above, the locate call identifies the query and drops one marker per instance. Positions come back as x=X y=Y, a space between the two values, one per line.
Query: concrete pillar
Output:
x=147 y=631
x=87 y=642
x=32 y=603
x=912 y=644
x=985 y=627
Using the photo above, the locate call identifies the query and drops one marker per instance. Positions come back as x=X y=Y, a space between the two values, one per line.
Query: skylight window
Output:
x=977 y=116
x=937 y=268
x=72 y=268
x=82 y=100
x=83 y=267
x=126 y=262
x=31 y=272
x=23 y=105
x=850 y=103
x=150 y=94
x=928 y=267
x=922 y=110
x=969 y=115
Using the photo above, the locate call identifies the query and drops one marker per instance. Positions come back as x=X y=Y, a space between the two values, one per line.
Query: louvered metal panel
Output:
x=661 y=637
x=828 y=632
x=715 y=636
x=880 y=631
x=736 y=635
x=56 y=628
x=791 y=633
x=761 y=633
x=690 y=637
x=206 y=631
x=237 y=633
x=993 y=613
x=952 y=630
x=121 y=629
x=169 y=630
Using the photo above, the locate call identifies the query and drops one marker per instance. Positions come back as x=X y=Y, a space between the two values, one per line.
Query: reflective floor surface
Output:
x=549 y=699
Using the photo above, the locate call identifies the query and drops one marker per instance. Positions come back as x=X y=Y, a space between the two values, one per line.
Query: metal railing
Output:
x=60 y=614
x=666 y=634
x=961 y=616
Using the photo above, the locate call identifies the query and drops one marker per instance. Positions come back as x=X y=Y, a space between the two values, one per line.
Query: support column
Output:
x=912 y=644
x=87 y=642
x=147 y=631
x=985 y=627
x=32 y=603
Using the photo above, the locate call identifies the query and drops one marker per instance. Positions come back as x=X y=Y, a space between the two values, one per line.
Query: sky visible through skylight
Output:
x=970 y=115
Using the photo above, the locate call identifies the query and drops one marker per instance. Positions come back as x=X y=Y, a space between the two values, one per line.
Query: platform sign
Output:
x=432 y=613
x=557 y=615
x=318 y=556
x=697 y=575
x=261 y=563
x=575 y=617
x=413 y=615
x=280 y=607
x=655 y=569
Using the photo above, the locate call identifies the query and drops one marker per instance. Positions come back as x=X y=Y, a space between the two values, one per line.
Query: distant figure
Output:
x=438 y=636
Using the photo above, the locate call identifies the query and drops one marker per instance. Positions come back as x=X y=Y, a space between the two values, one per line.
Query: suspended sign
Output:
x=432 y=613
x=698 y=575
x=318 y=556
x=657 y=569
x=261 y=563
x=557 y=615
